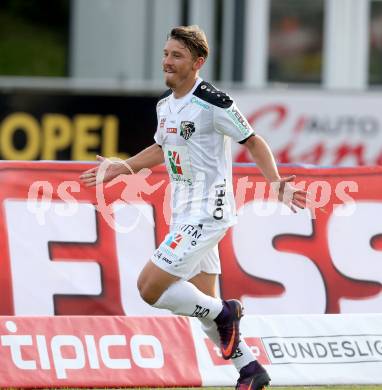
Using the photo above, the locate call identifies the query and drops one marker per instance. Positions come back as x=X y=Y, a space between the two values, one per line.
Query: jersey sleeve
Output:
x=230 y=121
x=158 y=136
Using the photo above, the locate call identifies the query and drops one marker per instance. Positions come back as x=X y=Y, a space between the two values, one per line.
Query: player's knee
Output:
x=146 y=292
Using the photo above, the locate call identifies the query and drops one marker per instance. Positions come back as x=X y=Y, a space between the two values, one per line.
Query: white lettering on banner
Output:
x=92 y=351
x=43 y=352
x=15 y=342
x=61 y=364
x=34 y=274
x=85 y=350
x=324 y=349
x=137 y=341
x=252 y=240
x=357 y=259
x=104 y=343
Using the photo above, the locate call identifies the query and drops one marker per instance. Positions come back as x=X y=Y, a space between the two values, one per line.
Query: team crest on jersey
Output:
x=187 y=128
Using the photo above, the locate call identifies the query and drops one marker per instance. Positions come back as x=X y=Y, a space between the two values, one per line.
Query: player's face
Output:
x=178 y=64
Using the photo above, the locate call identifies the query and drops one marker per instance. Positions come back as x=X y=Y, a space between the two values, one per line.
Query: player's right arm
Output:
x=147 y=158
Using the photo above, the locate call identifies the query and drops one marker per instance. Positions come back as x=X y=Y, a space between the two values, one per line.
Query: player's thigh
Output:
x=182 y=251
x=188 y=250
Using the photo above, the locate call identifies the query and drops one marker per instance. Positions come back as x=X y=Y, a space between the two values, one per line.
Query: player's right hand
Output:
x=105 y=171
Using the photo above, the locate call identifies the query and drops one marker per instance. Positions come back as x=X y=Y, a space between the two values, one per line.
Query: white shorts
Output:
x=188 y=250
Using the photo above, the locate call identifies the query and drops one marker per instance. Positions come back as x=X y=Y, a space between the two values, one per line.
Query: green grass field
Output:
x=353 y=387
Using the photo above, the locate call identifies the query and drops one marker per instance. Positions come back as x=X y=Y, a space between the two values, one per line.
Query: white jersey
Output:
x=195 y=133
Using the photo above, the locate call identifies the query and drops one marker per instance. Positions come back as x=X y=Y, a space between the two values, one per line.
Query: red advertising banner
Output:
x=117 y=351
x=97 y=352
x=327 y=260
x=345 y=130
x=71 y=250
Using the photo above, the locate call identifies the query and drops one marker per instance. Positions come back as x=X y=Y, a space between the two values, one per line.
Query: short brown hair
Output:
x=193 y=38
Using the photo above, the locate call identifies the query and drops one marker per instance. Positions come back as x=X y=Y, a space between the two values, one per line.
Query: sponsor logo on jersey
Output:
x=187 y=128
x=178 y=164
x=192 y=230
x=162 y=122
x=160 y=256
x=220 y=192
x=175 y=164
x=172 y=130
x=200 y=103
x=240 y=122
x=174 y=240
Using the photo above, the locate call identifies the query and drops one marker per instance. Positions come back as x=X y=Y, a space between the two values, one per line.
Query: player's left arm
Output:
x=282 y=186
x=230 y=121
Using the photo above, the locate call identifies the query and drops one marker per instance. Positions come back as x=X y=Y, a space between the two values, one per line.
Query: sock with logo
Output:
x=243 y=354
x=185 y=299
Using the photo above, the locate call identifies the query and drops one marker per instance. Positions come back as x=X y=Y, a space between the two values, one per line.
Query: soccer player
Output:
x=196 y=123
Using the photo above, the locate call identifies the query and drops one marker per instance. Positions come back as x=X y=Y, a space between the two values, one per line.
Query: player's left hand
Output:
x=289 y=194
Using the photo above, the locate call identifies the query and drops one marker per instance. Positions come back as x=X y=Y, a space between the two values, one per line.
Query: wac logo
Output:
x=187 y=129
x=175 y=163
x=174 y=241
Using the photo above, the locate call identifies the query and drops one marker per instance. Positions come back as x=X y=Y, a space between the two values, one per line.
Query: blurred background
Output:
x=81 y=77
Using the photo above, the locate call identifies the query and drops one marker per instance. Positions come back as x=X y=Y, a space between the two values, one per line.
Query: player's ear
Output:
x=199 y=62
